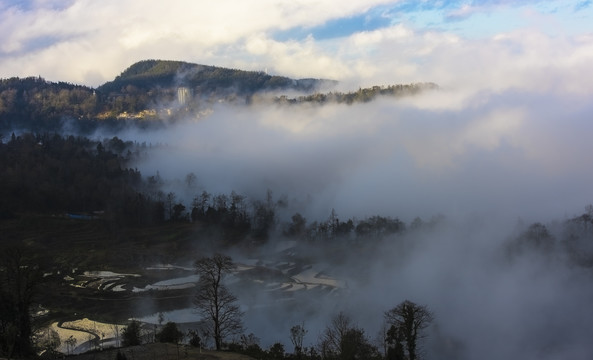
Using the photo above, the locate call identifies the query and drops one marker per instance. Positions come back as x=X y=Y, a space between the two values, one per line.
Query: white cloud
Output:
x=513 y=152
x=122 y=31
x=91 y=42
x=522 y=59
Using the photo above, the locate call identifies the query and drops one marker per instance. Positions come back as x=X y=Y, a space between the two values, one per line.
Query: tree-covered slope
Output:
x=150 y=91
x=203 y=79
x=38 y=104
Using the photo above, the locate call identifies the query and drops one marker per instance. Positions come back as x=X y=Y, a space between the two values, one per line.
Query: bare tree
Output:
x=342 y=340
x=331 y=338
x=407 y=321
x=214 y=301
x=297 y=334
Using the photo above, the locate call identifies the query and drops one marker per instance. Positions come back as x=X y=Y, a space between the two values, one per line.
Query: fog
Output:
x=487 y=164
x=488 y=304
x=511 y=154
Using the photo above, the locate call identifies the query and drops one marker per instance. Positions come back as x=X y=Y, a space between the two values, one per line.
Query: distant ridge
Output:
x=204 y=79
x=152 y=91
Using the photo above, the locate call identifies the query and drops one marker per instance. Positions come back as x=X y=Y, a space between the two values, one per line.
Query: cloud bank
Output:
x=514 y=153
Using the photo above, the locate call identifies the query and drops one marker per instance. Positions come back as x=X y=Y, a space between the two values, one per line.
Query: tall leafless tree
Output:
x=217 y=305
x=330 y=341
x=342 y=340
x=407 y=321
x=297 y=334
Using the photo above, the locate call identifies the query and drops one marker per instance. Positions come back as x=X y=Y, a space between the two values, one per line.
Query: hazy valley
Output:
x=328 y=201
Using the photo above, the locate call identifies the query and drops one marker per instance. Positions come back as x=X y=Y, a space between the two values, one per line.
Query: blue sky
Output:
x=472 y=19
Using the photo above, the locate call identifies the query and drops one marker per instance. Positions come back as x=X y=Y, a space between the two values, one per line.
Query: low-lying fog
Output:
x=509 y=154
x=486 y=161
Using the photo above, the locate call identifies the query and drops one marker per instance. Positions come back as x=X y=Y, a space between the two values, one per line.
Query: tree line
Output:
x=35 y=104
x=341 y=339
x=147 y=92
x=53 y=174
x=362 y=95
x=49 y=173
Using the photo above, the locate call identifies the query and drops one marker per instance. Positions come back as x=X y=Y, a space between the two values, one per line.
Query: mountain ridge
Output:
x=206 y=78
x=150 y=91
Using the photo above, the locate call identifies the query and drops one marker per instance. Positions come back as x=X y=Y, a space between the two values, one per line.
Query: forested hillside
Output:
x=152 y=92
x=54 y=174
x=148 y=74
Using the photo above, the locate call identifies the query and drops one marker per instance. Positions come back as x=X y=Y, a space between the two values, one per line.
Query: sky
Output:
x=360 y=42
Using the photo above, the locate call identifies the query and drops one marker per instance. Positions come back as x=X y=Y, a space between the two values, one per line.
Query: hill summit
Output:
x=204 y=79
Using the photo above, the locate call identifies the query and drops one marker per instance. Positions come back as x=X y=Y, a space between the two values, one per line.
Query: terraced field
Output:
x=95 y=275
